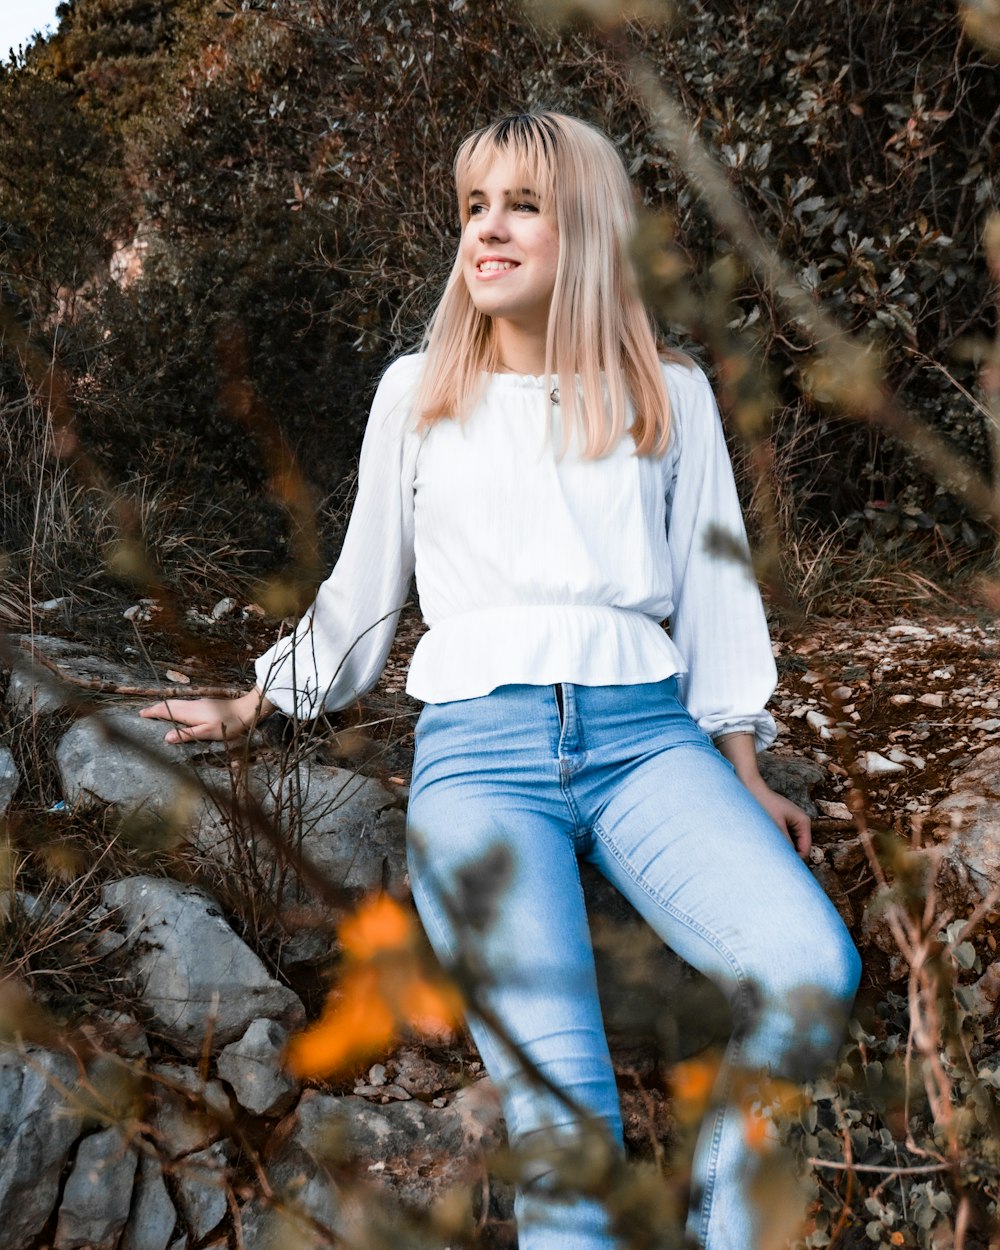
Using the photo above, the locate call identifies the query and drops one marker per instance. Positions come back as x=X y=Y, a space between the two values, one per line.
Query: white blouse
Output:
x=537 y=569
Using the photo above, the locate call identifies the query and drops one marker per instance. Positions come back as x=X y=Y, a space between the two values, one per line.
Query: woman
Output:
x=552 y=480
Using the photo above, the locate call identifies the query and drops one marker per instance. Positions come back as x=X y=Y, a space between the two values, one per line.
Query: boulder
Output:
x=35 y=690
x=98 y=1193
x=411 y=1150
x=191 y=1112
x=793 y=777
x=967 y=822
x=201 y=1182
x=10 y=779
x=152 y=1219
x=307 y=1203
x=195 y=977
x=876 y=931
x=350 y=826
x=252 y=1066
x=37 y=1129
x=115 y=756
x=419 y=1151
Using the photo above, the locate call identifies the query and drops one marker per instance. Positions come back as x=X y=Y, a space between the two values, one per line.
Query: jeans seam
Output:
x=688 y=921
x=711 y=1170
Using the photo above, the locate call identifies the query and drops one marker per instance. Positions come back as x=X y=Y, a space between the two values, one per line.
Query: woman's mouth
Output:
x=493 y=268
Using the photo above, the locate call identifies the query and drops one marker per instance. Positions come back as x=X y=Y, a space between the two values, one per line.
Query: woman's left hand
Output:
x=741 y=752
x=788 y=816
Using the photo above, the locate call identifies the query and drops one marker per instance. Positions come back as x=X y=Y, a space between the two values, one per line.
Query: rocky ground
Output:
x=193 y=984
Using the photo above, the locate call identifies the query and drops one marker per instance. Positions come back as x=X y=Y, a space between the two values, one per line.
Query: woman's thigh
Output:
x=681 y=837
x=495 y=878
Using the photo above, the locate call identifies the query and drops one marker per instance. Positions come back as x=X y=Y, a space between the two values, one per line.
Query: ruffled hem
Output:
x=472 y=653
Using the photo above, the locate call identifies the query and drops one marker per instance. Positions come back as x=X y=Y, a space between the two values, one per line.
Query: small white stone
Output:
x=833 y=810
x=907 y=630
x=899 y=756
x=818 y=720
x=876 y=765
x=223 y=608
x=900 y=700
x=931 y=699
x=843 y=692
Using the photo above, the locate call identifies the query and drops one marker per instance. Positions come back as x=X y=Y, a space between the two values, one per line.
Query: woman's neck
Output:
x=519 y=349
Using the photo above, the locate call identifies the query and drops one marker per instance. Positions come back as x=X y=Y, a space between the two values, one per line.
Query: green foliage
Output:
x=288 y=169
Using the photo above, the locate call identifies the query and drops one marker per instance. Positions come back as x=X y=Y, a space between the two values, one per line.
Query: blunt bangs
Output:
x=530 y=141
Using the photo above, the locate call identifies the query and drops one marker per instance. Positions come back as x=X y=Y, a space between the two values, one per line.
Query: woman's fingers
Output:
x=196 y=720
x=184 y=711
x=800 y=831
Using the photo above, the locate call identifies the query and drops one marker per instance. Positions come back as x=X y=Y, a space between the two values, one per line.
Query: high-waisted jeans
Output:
x=620 y=776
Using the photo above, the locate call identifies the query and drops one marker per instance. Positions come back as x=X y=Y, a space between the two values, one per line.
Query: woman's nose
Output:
x=492 y=225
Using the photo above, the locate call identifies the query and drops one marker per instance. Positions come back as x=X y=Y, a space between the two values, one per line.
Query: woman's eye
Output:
x=531 y=208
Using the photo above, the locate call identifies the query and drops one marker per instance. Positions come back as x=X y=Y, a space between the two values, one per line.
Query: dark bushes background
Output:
x=286 y=170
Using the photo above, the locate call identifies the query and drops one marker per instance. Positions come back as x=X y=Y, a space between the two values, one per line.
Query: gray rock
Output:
x=201 y=1180
x=876 y=931
x=35 y=689
x=37 y=1129
x=190 y=1112
x=117 y=757
x=421 y=1151
x=350 y=826
x=31 y=907
x=308 y=1201
x=968 y=822
x=98 y=1193
x=10 y=779
x=43 y=910
x=793 y=777
x=419 y=1075
x=195 y=976
x=848 y=854
x=152 y=1219
x=413 y=1152
x=252 y=1066
x=121 y=1032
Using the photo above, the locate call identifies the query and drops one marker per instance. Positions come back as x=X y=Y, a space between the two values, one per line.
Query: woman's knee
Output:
x=816 y=968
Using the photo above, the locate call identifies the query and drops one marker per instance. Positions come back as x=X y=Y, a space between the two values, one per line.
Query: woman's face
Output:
x=509 y=249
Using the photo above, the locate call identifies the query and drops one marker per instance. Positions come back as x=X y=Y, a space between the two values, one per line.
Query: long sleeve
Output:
x=340 y=646
x=718 y=621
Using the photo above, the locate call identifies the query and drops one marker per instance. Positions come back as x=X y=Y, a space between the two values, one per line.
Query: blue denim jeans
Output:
x=509 y=790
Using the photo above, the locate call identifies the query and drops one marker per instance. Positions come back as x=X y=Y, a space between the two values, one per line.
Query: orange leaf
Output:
x=755 y=1132
x=431 y=1008
x=692 y=1083
x=353 y=1027
x=379 y=924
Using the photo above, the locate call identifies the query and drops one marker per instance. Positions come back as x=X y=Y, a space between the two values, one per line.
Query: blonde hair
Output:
x=598 y=328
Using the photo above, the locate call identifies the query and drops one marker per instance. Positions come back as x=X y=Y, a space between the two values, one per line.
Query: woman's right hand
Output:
x=210 y=720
